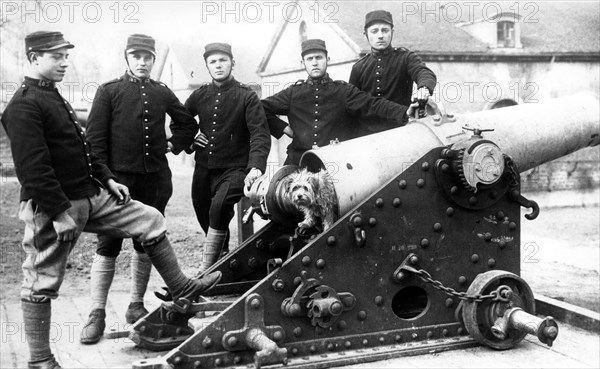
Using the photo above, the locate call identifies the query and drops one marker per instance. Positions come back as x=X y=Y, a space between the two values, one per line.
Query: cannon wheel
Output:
x=479 y=317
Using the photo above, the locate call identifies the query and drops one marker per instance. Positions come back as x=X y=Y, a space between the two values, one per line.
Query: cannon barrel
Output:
x=531 y=134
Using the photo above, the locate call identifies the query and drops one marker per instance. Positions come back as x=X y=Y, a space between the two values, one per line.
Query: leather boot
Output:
x=135 y=311
x=94 y=328
x=180 y=286
x=50 y=363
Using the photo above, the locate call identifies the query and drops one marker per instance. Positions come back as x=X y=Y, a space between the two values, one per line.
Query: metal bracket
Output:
x=255 y=335
x=185 y=306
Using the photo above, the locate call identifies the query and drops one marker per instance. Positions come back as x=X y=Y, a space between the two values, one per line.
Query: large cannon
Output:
x=425 y=255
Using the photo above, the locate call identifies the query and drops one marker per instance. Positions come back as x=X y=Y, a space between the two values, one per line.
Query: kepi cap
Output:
x=45 y=41
x=138 y=41
x=378 y=16
x=313 y=44
x=217 y=47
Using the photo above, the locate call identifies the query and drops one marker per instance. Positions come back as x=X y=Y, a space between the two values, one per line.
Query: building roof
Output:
x=546 y=27
x=438 y=30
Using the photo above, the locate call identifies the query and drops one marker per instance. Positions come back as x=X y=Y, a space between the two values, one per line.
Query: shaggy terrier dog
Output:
x=314 y=195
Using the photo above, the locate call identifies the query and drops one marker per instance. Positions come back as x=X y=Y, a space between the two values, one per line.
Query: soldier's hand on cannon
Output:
x=423 y=94
x=65 y=227
x=121 y=192
x=252 y=176
x=200 y=141
x=412 y=109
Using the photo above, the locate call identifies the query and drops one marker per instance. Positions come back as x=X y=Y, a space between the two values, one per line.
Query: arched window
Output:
x=506 y=34
x=302 y=31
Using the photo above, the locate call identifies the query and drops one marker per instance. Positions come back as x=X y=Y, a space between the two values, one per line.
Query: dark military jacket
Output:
x=390 y=74
x=53 y=161
x=234 y=122
x=321 y=110
x=126 y=125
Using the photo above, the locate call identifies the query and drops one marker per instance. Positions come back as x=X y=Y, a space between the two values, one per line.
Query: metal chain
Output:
x=514 y=173
x=426 y=277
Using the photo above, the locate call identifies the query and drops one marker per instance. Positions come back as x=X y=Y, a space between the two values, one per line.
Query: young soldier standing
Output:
x=231 y=148
x=389 y=72
x=126 y=128
x=320 y=109
x=66 y=190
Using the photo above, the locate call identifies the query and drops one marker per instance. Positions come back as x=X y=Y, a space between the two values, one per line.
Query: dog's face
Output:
x=302 y=188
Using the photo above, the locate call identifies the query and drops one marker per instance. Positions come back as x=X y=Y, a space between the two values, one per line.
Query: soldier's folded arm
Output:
x=183 y=125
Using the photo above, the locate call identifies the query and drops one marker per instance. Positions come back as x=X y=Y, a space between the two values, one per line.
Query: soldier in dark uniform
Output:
x=320 y=109
x=66 y=190
x=387 y=71
x=231 y=148
x=126 y=128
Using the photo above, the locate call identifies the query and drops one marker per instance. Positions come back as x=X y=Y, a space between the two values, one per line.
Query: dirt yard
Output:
x=560 y=252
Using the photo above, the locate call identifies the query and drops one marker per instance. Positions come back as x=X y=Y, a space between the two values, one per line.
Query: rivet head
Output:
x=424 y=243
x=232 y=341
x=218 y=361
x=437 y=227
x=491 y=262
x=357 y=221
x=320 y=263
x=379 y=202
x=381 y=339
x=295 y=309
x=347 y=344
x=450 y=211
x=330 y=346
x=445 y=168
x=277 y=336
x=143 y=328
x=398 y=338
x=474 y=258
x=294 y=351
x=414 y=336
x=297 y=281
x=207 y=342
x=255 y=303
x=237 y=359
x=362 y=315
x=462 y=280
x=297 y=331
x=365 y=342
x=444 y=332
x=331 y=240
x=420 y=183
x=429 y=334
x=234 y=264
x=487 y=236
x=414 y=259
x=278 y=285
x=396 y=202
x=197 y=364
x=306 y=260
x=342 y=325
x=502 y=244
x=449 y=302
x=252 y=263
x=379 y=300
x=177 y=360
x=402 y=184
x=312 y=349
x=500 y=215
x=460 y=331
x=303 y=274
x=473 y=200
x=512 y=226
x=372 y=221
x=453 y=190
x=425 y=166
